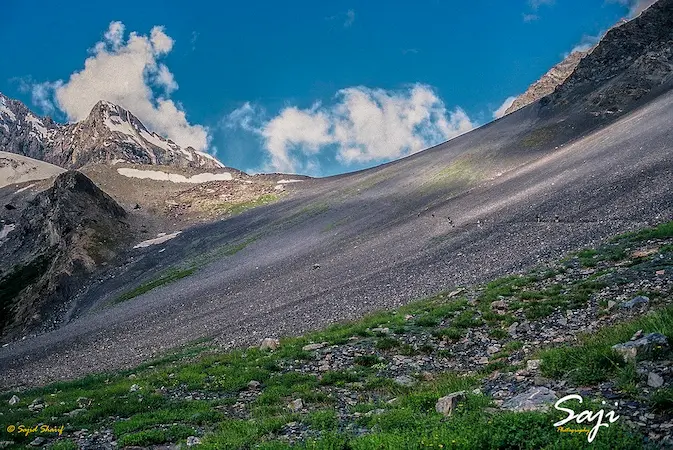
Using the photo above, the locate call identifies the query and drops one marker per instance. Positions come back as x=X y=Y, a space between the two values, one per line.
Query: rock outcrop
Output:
x=549 y=81
x=63 y=234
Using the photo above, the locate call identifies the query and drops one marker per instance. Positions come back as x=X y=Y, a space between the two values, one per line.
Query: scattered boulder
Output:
x=405 y=380
x=83 y=402
x=254 y=385
x=639 y=300
x=641 y=348
x=38 y=441
x=296 y=405
x=5 y=444
x=269 y=344
x=447 y=404
x=654 y=380
x=36 y=405
x=533 y=364
x=499 y=304
x=134 y=388
x=537 y=398
x=312 y=347
x=14 y=400
x=76 y=412
x=192 y=441
x=611 y=304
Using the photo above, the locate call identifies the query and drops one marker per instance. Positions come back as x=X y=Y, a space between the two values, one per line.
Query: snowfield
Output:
x=158 y=175
x=19 y=169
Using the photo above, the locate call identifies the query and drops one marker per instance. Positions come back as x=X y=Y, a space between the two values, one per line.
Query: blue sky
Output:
x=309 y=87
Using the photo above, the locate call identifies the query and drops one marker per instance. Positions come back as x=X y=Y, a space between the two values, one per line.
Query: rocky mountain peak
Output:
x=549 y=81
x=110 y=134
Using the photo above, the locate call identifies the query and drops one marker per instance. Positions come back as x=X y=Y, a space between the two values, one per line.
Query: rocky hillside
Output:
x=62 y=235
x=477 y=366
x=109 y=134
x=549 y=81
x=631 y=61
x=16 y=169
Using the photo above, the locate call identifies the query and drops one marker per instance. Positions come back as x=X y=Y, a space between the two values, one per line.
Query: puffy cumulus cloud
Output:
x=127 y=72
x=635 y=6
x=498 y=113
x=363 y=125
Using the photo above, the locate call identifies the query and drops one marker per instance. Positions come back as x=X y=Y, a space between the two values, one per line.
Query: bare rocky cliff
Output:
x=549 y=81
x=63 y=234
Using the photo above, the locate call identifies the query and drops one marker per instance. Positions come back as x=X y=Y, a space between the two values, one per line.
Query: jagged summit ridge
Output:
x=110 y=134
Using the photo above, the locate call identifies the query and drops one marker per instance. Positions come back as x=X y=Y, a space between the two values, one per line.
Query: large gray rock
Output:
x=534 y=399
x=654 y=380
x=269 y=344
x=447 y=404
x=641 y=348
x=640 y=300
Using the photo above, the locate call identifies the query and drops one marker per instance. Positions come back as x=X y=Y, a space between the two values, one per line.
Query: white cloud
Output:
x=350 y=18
x=535 y=4
x=498 y=113
x=127 y=72
x=362 y=126
x=530 y=17
x=635 y=6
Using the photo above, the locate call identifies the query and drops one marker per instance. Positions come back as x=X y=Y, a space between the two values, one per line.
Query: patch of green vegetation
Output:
x=662 y=400
x=594 y=360
x=167 y=277
x=239 y=207
x=538 y=137
x=459 y=173
x=392 y=415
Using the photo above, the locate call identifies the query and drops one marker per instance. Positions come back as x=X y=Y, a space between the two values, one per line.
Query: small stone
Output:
x=660 y=272
x=408 y=317
x=534 y=399
x=316 y=266
x=654 y=380
x=499 y=304
x=134 y=388
x=76 y=412
x=269 y=344
x=14 y=400
x=637 y=335
x=563 y=321
x=641 y=348
x=639 y=300
x=312 y=347
x=38 y=441
x=482 y=360
x=611 y=304
x=447 y=404
x=404 y=380
x=36 y=405
x=296 y=405
x=512 y=329
x=132 y=376
x=491 y=349
x=83 y=402
x=5 y=444
x=254 y=384
x=381 y=330
x=192 y=441
x=533 y=364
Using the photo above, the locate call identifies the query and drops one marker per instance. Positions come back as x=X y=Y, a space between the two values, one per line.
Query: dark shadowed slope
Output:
x=535 y=184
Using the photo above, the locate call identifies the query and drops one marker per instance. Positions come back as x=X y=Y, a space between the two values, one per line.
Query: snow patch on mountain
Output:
x=158 y=175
